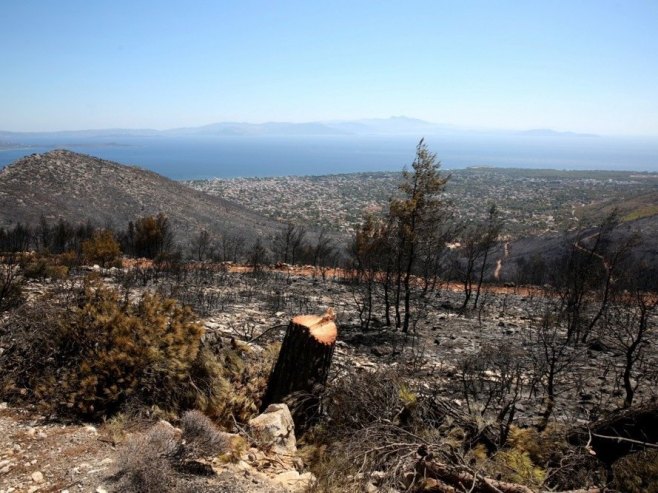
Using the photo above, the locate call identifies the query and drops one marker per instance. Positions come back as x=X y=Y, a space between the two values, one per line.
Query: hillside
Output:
x=77 y=187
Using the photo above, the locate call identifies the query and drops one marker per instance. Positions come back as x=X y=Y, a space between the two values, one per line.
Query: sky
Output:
x=576 y=65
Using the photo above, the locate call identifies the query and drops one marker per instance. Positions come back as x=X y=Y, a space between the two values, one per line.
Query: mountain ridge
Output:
x=394 y=125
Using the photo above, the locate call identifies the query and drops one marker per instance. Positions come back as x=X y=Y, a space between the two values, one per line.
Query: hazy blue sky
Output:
x=589 y=66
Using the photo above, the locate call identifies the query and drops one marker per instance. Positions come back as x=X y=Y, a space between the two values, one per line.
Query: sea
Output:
x=201 y=157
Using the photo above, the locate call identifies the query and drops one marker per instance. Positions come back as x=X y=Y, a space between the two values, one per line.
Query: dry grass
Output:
x=201 y=437
x=144 y=463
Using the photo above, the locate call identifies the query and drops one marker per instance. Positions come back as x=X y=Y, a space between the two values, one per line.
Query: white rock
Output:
x=275 y=429
x=293 y=481
x=371 y=488
x=37 y=477
x=100 y=489
x=287 y=477
x=91 y=429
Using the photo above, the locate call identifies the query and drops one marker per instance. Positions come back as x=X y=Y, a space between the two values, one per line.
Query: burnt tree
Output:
x=301 y=371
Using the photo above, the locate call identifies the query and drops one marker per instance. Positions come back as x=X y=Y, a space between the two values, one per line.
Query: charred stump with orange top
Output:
x=301 y=371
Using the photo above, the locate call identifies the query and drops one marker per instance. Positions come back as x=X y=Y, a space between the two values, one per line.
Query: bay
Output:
x=198 y=157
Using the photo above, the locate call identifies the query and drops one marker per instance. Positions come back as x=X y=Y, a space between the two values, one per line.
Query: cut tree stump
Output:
x=301 y=371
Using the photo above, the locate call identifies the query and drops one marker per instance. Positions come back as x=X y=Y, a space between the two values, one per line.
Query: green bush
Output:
x=42 y=268
x=102 y=248
x=91 y=358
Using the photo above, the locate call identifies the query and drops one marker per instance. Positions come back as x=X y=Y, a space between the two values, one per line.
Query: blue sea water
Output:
x=204 y=157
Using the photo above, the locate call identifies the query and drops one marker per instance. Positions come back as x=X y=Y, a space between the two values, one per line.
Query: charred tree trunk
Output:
x=622 y=433
x=452 y=479
x=301 y=371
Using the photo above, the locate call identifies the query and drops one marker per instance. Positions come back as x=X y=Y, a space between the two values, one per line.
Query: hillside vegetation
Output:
x=78 y=188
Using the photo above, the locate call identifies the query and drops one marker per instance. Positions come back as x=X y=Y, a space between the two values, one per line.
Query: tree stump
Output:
x=301 y=371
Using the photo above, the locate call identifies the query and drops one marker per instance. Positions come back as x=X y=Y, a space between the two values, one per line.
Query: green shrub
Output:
x=517 y=467
x=102 y=248
x=240 y=376
x=43 y=268
x=91 y=358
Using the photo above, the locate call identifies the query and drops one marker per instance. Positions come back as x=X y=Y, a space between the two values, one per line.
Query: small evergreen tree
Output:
x=415 y=218
x=101 y=248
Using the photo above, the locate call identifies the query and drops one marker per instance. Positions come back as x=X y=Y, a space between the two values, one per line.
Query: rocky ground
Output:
x=41 y=454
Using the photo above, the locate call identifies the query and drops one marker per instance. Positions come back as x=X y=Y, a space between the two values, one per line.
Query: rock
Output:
x=287 y=476
x=37 y=477
x=293 y=481
x=100 y=489
x=275 y=429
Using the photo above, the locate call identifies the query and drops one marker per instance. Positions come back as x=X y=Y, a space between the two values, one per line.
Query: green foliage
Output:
x=90 y=359
x=409 y=239
x=646 y=211
x=240 y=375
x=43 y=268
x=517 y=467
x=102 y=248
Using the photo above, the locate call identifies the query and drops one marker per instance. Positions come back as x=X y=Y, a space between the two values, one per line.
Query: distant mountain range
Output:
x=396 y=125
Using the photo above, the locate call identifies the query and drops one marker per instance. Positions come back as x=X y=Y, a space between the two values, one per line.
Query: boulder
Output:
x=294 y=481
x=275 y=430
